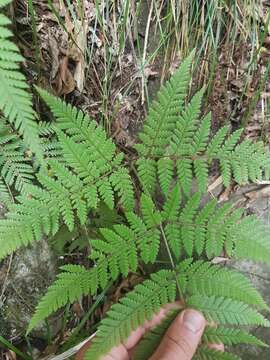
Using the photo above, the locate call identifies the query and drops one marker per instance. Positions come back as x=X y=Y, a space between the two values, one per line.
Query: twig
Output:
x=70 y=352
x=145 y=49
x=6 y=277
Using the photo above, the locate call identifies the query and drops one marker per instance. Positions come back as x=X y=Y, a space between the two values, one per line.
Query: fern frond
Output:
x=132 y=311
x=15 y=100
x=229 y=336
x=205 y=353
x=227 y=311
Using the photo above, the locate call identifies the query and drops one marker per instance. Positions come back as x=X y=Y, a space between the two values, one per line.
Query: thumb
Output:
x=182 y=338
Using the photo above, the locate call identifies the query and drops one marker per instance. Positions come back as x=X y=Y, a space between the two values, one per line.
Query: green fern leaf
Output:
x=253 y=232
x=15 y=100
x=122 y=184
x=206 y=279
x=170 y=214
x=106 y=192
x=216 y=232
x=119 y=247
x=163 y=114
x=230 y=336
x=71 y=284
x=186 y=219
x=201 y=225
x=181 y=142
x=185 y=174
x=172 y=205
x=201 y=135
x=5 y=196
x=151 y=216
x=4 y=3
x=150 y=342
x=204 y=353
x=201 y=173
x=132 y=311
x=216 y=142
x=15 y=168
x=227 y=311
x=148 y=238
x=147 y=170
x=165 y=173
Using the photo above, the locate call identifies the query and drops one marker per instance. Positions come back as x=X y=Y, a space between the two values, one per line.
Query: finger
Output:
x=219 y=347
x=116 y=353
x=137 y=334
x=182 y=337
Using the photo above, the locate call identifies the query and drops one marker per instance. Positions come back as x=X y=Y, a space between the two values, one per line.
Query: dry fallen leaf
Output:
x=10 y=355
x=64 y=82
x=81 y=44
x=54 y=50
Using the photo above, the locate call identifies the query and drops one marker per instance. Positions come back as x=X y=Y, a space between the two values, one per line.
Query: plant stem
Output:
x=181 y=295
x=14 y=349
x=99 y=300
x=35 y=36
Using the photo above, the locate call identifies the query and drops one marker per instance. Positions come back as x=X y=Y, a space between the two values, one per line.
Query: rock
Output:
x=259 y=275
x=32 y=270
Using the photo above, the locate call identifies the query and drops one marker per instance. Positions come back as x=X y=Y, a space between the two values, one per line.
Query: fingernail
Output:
x=193 y=320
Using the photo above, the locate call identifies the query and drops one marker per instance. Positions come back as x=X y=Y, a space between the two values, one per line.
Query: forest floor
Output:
x=108 y=61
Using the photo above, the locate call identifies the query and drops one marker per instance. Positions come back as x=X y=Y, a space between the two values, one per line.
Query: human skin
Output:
x=179 y=343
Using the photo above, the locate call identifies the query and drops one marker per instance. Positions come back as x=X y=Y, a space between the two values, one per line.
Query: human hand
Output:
x=179 y=343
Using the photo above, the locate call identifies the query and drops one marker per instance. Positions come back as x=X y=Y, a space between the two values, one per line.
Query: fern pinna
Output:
x=174 y=156
x=15 y=100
